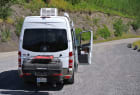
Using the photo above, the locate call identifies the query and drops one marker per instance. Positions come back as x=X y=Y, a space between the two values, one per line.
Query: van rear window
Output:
x=45 y=40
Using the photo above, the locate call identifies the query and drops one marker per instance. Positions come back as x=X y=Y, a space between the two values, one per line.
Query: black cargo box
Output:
x=44 y=68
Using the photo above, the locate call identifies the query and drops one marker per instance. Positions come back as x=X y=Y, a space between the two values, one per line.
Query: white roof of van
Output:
x=47 y=22
x=52 y=19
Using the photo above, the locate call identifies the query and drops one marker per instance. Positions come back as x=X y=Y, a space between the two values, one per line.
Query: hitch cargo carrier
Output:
x=51 y=69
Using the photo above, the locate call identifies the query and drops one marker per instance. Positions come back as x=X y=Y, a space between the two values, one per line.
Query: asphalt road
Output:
x=115 y=70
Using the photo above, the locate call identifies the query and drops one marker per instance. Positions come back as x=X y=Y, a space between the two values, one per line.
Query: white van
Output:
x=48 y=49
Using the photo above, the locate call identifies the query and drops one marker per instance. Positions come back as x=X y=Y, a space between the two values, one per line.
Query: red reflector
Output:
x=19 y=53
x=19 y=60
x=70 y=66
x=19 y=65
x=43 y=57
x=70 y=54
x=57 y=74
x=67 y=77
x=70 y=61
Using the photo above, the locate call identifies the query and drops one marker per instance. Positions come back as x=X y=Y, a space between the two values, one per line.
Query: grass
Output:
x=137 y=43
x=19 y=26
x=35 y=5
x=1 y=20
x=5 y=35
x=125 y=8
x=9 y=21
x=124 y=36
x=95 y=21
x=104 y=32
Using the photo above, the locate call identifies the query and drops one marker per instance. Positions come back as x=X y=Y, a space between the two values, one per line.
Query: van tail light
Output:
x=70 y=59
x=67 y=77
x=19 y=58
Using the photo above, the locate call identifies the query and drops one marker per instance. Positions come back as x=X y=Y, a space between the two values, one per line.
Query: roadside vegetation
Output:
x=137 y=43
x=103 y=32
x=122 y=8
x=120 y=28
x=19 y=26
x=119 y=7
x=5 y=35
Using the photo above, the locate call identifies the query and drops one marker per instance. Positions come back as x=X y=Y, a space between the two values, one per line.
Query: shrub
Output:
x=104 y=32
x=10 y=21
x=88 y=17
x=85 y=36
x=137 y=43
x=1 y=20
x=35 y=5
x=95 y=37
x=95 y=21
x=19 y=26
x=73 y=2
x=5 y=35
x=21 y=2
x=78 y=30
x=136 y=24
x=120 y=27
x=5 y=10
x=61 y=4
x=126 y=27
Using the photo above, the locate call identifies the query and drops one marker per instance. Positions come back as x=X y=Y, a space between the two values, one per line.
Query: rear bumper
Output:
x=52 y=72
x=50 y=79
x=51 y=76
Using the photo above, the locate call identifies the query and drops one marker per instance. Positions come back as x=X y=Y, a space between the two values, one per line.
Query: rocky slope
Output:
x=83 y=20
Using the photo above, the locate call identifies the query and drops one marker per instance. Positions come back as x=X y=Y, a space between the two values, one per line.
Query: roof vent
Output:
x=44 y=12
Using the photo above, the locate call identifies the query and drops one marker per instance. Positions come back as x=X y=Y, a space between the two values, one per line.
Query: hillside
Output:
x=106 y=20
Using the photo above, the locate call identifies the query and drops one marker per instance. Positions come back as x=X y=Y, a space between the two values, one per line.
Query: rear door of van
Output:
x=44 y=39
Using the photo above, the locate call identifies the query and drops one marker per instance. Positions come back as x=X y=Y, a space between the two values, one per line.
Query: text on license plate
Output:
x=41 y=80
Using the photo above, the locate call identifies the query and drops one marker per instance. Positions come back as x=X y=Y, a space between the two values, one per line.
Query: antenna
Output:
x=71 y=22
x=67 y=15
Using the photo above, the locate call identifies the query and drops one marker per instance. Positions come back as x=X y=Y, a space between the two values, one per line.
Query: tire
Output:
x=76 y=68
x=71 y=81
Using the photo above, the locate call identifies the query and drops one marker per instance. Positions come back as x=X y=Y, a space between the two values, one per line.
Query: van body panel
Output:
x=36 y=22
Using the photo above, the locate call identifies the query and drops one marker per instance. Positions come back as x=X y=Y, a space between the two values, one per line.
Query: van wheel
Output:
x=71 y=81
x=76 y=68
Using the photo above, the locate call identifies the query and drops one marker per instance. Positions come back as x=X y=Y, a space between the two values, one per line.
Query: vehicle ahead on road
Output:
x=48 y=48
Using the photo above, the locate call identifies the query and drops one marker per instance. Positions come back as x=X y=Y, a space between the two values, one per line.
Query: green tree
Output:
x=74 y=1
x=104 y=32
x=118 y=26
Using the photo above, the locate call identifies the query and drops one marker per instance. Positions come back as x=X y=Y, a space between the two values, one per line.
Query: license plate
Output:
x=41 y=80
